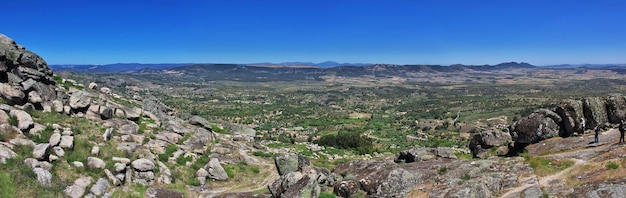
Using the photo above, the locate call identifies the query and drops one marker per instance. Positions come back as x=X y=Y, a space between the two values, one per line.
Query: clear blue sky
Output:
x=399 y=32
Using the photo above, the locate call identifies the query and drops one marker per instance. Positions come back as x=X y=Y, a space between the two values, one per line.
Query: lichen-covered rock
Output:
x=216 y=171
x=616 y=107
x=483 y=141
x=524 y=131
x=24 y=120
x=287 y=162
x=79 y=100
x=143 y=165
x=44 y=178
x=594 y=109
x=94 y=162
x=571 y=112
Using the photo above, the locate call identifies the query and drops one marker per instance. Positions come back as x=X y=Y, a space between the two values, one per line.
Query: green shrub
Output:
x=44 y=135
x=12 y=120
x=183 y=160
x=466 y=176
x=219 y=130
x=442 y=170
x=169 y=151
x=612 y=165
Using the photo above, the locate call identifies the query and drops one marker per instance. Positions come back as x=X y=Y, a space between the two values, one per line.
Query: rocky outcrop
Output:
x=6 y=153
x=417 y=154
x=215 y=170
x=143 y=165
x=305 y=181
x=78 y=188
x=286 y=163
x=25 y=77
x=594 y=110
x=571 y=113
x=484 y=142
x=616 y=107
x=524 y=131
x=158 y=192
x=381 y=178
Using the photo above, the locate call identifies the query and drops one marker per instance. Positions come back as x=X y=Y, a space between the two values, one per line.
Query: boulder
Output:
x=58 y=151
x=287 y=162
x=594 y=110
x=114 y=180
x=12 y=93
x=67 y=142
x=107 y=134
x=95 y=150
x=201 y=122
x=77 y=189
x=484 y=141
x=165 y=175
x=55 y=139
x=79 y=100
x=100 y=187
x=157 y=192
x=524 y=131
x=216 y=171
x=4 y=118
x=95 y=163
x=6 y=153
x=44 y=178
x=571 y=113
x=41 y=151
x=130 y=128
x=132 y=113
x=106 y=113
x=383 y=178
x=31 y=163
x=201 y=175
x=616 y=107
x=34 y=97
x=295 y=184
x=24 y=120
x=93 y=85
x=143 y=165
x=346 y=188
x=417 y=154
x=58 y=106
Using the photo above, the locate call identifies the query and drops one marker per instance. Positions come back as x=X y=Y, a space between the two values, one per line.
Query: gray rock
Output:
x=143 y=165
x=122 y=160
x=31 y=163
x=13 y=93
x=482 y=142
x=58 y=106
x=165 y=175
x=77 y=189
x=95 y=150
x=24 y=120
x=41 y=152
x=616 y=107
x=100 y=187
x=45 y=165
x=78 y=164
x=58 y=151
x=93 y=85
x=524 y=131
x=94 y=162
x=594 y=109
x=22 y=142
x=532 y=191
x=216 y=171
x=6 y=153
x=119 y=167
x=106 y=113
x=158 y=192
x=128 y=129
x=4 y=117
x=67 y=142
x=107 y=134
x=201 y=122
x=571 y=112
x=286 y=163
x=79 y=100
x=34 y=97
x=55 y=139
x=201 y=175
x=116 y=181
x=44 y=178
x=132 y=113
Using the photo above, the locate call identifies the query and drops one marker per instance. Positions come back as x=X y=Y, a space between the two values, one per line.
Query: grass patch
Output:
x=16 y=174
x=44 y=135
x=169 y=151
x=465 y=177
x=262 y=154
x=219 y=130
x=12 y=120
x=543 y=166
x=464 y=156
x=327 y=194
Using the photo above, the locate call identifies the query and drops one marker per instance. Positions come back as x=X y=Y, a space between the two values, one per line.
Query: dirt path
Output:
x=580 y=152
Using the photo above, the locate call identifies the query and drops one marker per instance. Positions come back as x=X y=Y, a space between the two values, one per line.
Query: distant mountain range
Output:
x=123 y=67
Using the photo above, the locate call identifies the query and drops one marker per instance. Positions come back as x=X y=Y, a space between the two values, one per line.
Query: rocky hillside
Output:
x=62 y=139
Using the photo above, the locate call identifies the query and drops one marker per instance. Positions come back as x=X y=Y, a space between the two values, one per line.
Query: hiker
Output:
x=597 y=130
x=539 y=138
x=622 y=128
x=582 y=125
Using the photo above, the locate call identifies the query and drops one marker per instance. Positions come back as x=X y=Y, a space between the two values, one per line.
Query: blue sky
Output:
x=398 y=32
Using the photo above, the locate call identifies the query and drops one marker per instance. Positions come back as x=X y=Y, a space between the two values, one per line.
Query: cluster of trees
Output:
x=348 y=140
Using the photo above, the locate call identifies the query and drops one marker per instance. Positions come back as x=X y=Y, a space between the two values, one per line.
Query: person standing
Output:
x=622 y=128
x=582 y=125
x=539 y=136
x=597 y=130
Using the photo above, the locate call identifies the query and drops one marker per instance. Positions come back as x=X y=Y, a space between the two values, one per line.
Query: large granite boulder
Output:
x=382 y=178
x=417 y=154
x=215 y=170
x=79 y=100
x=571 y=113
x=616 y=107
x=143 y=165
x=287 y=162
x=483 y=142
x=24 y=120
x=524 y=131
x=594 y=109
